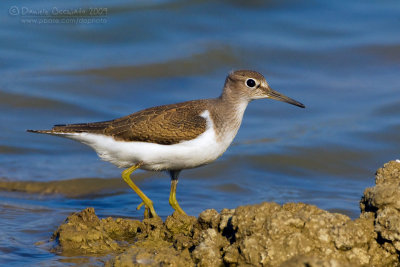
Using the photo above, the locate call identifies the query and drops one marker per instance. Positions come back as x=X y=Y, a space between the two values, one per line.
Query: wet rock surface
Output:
x=266 y=234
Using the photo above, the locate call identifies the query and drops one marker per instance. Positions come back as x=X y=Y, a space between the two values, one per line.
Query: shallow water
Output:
x=340 y=58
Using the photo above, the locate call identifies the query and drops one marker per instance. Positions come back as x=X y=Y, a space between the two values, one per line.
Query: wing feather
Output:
x=169 y=124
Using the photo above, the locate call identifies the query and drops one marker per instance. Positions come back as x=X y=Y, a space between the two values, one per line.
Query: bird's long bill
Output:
x=278 y=96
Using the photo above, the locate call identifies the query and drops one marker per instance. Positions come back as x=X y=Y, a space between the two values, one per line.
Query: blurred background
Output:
x=83 y=61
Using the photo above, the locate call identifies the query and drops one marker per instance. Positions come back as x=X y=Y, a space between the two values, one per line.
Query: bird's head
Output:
x=252 y=85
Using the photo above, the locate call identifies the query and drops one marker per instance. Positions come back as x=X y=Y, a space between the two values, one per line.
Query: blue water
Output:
x=340 y=58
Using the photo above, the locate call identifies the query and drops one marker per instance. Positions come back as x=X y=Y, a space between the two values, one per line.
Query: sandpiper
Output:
x=173 y=137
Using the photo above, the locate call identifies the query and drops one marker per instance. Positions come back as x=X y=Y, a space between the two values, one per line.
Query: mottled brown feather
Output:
x=169 y=124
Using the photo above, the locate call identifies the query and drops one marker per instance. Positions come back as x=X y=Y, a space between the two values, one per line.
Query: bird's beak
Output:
x=278 y=96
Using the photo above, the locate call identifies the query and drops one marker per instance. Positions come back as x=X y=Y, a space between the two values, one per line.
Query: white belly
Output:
x=187 y=154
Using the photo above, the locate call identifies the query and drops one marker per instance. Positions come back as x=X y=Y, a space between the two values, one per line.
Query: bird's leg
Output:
x=126 y=175
x=172 y=195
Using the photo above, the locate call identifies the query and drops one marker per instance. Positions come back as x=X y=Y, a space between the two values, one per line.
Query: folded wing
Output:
x=165 y=125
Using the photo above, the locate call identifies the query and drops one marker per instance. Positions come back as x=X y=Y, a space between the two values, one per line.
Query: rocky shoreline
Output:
x=266 y=234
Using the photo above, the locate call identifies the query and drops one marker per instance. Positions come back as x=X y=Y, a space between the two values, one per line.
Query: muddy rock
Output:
x=383 y=201
x=265 y=234
x=85 y=233
x=306 y=261
x=152 y=253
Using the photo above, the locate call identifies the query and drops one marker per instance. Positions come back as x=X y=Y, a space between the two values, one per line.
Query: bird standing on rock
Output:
x=173 y=137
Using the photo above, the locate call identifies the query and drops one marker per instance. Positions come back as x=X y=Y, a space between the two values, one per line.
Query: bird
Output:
x=173 y=137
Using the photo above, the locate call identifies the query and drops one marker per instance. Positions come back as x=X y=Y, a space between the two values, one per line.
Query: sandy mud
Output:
x=266 y=234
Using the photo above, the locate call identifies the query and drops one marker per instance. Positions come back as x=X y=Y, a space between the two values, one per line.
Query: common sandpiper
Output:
x=173 y=137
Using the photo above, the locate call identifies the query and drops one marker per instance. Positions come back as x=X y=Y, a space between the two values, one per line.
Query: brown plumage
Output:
x=168 y=124
x=152 y=137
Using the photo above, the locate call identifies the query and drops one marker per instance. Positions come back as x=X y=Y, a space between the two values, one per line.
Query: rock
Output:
x=209 y=250
x=148 y=253
x=180 y=230
x=82 y=233
x=383 y=201
x=312 y=262
x=209 y=219
x=265 y=234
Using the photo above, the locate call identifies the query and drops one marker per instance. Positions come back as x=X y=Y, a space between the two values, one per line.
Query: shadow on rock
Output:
x=266 y=234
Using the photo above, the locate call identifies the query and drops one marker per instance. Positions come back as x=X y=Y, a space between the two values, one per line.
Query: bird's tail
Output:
x=39 y=131
x=95 y=127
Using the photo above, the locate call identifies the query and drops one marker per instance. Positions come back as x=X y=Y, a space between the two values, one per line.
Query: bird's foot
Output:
x=149 y=211
x=174 y=204
x=139 y=206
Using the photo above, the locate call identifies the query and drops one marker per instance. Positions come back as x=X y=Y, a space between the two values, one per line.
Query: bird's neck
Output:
x=233 y=103
x=227 y=116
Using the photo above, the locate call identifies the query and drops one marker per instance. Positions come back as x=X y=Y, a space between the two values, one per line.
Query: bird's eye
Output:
x=250 y=83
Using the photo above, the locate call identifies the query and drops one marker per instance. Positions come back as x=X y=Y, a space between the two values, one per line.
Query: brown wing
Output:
x=166 y=125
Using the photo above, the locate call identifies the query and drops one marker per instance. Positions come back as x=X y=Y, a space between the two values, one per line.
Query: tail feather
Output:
x=96 y=127
x=39 y=131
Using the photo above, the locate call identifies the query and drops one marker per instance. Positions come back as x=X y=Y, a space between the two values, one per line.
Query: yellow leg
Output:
x=126 y=175
x=172 y=198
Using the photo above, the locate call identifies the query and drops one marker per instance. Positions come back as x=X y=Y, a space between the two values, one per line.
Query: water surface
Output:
x=340 y=58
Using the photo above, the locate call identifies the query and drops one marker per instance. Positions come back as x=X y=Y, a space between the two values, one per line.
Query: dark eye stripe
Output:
x=250 y=83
